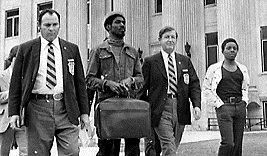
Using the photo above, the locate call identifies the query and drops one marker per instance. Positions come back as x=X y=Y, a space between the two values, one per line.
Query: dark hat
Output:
x=111 y=16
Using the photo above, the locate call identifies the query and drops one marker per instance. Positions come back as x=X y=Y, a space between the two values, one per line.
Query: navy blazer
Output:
x=24 y=75
x=156 y=86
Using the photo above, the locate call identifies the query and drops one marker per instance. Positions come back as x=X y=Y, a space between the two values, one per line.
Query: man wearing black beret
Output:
x=114 y=68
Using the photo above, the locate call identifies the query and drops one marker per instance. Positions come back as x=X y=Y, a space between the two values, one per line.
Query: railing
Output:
x=250 y=122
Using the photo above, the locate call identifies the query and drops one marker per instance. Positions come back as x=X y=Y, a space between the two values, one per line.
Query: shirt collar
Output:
x=55 y=42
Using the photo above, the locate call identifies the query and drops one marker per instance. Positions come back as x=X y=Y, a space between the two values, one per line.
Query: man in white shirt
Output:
x=170 y=81
x=48 y=86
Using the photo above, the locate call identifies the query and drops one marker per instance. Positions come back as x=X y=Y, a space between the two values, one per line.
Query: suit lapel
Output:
x=36 y=50
x=178 y=66
x=160 y=64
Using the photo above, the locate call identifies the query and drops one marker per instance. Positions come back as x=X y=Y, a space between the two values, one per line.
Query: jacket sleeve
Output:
x=143 y=92
x=15 y=89
x=137 y=74
x=194 y=86
x=208 y=97
x=93 y=79
x=80 y=87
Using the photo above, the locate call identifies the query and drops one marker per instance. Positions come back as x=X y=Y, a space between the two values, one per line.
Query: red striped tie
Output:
x=172 y=76
x=51 y=79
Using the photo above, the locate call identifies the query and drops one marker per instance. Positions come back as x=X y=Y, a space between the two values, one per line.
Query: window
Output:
x=158 y=6
x=263 y=33
x=12 y=23
x=41 y=7
x=88 y=11
x=209 y=2
x=211 y=48
x=112 y=5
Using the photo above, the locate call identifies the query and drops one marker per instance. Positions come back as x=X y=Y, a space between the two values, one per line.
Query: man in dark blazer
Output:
x=48 y=85
x=170 y=81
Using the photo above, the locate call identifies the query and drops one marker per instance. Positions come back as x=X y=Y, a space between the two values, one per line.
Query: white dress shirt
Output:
x=165 y=56
x=40 y=83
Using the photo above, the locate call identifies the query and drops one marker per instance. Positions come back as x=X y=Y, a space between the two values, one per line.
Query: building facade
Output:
x=203 y=24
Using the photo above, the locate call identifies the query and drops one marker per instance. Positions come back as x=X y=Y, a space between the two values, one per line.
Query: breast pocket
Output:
x=106 y=62
x=130 y=64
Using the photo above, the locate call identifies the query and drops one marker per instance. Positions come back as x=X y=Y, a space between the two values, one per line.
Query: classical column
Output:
x=98 y=13
x=247 y=36
x=2 y=36
x=139 y=25
x=74 y=24
x=26 y=34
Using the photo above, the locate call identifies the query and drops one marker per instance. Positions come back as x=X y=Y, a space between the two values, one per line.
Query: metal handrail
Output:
x=262 y=123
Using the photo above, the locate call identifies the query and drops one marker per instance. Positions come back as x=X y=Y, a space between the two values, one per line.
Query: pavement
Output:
x=188 y=136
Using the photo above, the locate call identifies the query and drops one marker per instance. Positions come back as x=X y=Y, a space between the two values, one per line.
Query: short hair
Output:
x=111 y=16
x=227 y=41
x=167 y=29
x=50 y=11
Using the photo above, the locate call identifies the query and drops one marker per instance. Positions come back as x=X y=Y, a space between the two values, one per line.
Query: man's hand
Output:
x=127 y=83
x=15 y=122
x=85 y=123
x=197 y=113
x=114 y=86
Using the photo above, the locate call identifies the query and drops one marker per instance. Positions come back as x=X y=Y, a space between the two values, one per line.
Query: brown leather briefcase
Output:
x=122 y=118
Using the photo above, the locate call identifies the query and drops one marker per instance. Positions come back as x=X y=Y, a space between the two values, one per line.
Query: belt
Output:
x=56 y=96
x=232 y=100
x=172 y=96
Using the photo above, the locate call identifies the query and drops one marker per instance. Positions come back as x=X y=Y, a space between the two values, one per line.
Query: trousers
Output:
x=46 y=119
x=169 y=130
x=111 y=147
x=7 y=138
x=231 y=120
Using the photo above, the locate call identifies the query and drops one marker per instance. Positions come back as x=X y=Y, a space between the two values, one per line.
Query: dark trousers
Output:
x=169 y=130
x=10 y=136
x=231 y=119
x=111 y=147
x=46 y=119
x=152 y=145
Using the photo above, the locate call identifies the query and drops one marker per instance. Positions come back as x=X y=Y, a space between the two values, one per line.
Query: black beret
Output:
x=111 y=16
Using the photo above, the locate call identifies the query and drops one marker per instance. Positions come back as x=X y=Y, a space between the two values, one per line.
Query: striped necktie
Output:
x=51 y=80
x=172 y=76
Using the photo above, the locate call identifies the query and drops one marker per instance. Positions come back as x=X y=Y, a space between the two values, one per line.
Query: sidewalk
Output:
x=188 y=136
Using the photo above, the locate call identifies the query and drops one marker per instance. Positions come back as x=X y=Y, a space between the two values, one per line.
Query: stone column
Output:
x=77 y=26
x=25 y=11
x=139 y=25
x=247 y=37
x=98 y=13
x=2 y=36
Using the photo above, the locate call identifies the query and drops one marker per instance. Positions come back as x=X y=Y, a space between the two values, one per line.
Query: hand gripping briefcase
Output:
x=120 y=117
